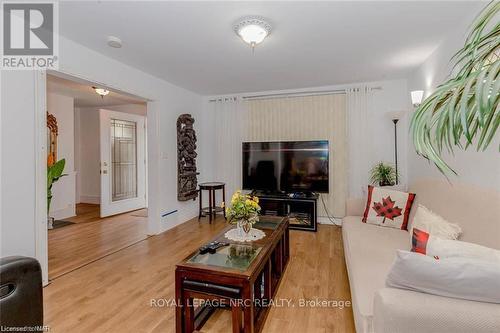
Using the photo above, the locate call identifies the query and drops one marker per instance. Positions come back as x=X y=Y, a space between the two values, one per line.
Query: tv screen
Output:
x=291 y=166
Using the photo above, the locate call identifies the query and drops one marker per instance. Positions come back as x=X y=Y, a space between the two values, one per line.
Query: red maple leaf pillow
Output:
x=388 y=208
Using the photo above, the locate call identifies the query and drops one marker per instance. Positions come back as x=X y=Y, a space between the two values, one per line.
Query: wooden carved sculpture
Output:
x=187 y=182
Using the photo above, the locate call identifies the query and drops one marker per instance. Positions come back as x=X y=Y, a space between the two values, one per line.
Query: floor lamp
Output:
x=395 y=121
x=395 y=117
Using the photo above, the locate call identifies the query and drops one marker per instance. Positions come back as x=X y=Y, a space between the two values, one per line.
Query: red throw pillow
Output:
x=388 y=208
x=419 y=241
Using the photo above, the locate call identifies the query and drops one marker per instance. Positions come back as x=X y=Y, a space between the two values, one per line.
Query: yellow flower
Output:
x=222 y=204
x=256 y=199
x=235 y=197
x=248 y=202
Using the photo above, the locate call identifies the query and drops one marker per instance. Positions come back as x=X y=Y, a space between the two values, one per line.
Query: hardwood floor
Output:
x=114 y=294
x=92 y=238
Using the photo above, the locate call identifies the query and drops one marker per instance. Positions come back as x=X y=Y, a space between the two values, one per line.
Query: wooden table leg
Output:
x=201 y=204
x=248 y=308
x=188 y=315
x=179 y=310
x=224 y=200
x=210 y=206
x=214 y=211
x=236 y=315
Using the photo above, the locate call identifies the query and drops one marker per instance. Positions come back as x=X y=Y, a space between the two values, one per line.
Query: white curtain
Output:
x=228 y=137
x=306 y=118
x=359 y=139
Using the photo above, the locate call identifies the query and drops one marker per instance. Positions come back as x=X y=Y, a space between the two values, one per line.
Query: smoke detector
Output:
x=114 y=42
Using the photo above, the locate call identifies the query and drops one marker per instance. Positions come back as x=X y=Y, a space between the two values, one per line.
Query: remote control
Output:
x=211 y=247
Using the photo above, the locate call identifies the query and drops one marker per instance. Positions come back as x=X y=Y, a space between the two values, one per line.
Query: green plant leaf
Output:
x=466 y=105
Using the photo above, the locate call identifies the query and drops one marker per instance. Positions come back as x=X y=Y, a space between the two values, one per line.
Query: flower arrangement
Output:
x=244 y=210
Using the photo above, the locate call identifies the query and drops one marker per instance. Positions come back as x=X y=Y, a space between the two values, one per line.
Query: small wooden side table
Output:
x=212 y=209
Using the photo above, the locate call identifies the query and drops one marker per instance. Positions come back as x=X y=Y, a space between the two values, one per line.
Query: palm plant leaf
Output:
x=464 y=110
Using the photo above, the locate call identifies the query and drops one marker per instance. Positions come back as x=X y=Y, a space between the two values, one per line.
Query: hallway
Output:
x=91 y=238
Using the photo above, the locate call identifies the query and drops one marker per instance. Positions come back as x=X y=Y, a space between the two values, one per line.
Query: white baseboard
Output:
x=90 y=199
x=326 y=220
x=64 y=213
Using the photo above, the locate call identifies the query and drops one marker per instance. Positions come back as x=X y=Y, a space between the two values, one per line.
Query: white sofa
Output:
x=370 y=250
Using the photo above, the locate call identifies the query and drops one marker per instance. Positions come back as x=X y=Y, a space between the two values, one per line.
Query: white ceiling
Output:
x=85 y=96
x=192 y=44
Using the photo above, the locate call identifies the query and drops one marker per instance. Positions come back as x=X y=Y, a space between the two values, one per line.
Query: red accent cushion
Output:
x=388 y=207
x=419 y=241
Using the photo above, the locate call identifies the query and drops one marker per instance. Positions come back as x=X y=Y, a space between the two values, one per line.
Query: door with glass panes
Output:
x=123 y=164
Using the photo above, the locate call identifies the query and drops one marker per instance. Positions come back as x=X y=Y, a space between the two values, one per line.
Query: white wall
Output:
x=140 y=109
x=18 y=163
x=477 y=168
x=63 y=191
x=18 y=93
x=392 y=98
x=88 y=156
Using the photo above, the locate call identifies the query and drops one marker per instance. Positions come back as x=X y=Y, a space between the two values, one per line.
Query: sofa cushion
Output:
x=430 y=222
x=475 y=209
x=458 y=277
x=446 y=248
x=397 y=310
x=388 y=207
x=369 y=253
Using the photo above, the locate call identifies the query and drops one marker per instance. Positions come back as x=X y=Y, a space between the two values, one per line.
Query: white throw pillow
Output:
x=436 y=247
x=433 y=224
x=464 y=278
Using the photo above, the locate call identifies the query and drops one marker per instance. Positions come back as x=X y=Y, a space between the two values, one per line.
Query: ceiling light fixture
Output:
x=101 y=91
x=114 y=42
x=253 y=30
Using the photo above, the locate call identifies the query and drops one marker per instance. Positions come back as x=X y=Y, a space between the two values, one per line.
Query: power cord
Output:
x=330 y=217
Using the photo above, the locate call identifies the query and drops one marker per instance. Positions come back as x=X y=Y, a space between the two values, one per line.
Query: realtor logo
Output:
x=29 y=35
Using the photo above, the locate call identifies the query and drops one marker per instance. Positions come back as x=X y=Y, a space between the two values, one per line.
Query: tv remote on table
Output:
x=211 y=247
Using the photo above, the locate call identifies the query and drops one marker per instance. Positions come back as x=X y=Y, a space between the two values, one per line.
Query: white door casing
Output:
x=111 y=202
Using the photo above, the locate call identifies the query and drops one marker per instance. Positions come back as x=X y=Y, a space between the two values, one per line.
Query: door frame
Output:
x=40 y=109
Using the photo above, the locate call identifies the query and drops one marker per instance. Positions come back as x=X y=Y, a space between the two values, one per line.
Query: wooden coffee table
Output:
x=242 y=277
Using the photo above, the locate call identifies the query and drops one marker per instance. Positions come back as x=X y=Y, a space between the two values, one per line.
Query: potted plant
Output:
x=244 y=211
x=383 y=174
x=463 y=111
x=54 y=172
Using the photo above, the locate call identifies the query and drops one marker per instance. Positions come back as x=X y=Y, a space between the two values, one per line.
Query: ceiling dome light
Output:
x=252 y=30
x=101 y=91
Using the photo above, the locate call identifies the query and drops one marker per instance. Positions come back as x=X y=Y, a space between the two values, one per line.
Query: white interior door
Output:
x=123 y=164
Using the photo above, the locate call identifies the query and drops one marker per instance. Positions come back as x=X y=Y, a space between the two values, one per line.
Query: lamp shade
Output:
x=416 y=97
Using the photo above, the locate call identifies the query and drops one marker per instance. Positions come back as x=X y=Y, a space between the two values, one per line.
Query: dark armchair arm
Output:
x=21 y=298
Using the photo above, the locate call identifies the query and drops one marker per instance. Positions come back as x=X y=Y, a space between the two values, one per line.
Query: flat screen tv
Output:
x=291 y=166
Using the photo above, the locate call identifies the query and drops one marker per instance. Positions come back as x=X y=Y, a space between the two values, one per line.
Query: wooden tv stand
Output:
x=301 y=210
